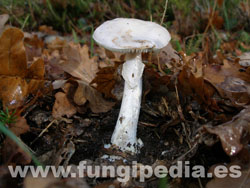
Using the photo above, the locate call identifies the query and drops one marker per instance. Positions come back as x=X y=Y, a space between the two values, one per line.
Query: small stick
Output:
x=44 y=130
x=164 y=12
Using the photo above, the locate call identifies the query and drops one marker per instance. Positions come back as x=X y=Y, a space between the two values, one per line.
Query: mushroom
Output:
x=132 y=37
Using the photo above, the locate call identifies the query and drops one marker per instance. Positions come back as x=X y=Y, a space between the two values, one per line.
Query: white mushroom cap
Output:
x=131 y=35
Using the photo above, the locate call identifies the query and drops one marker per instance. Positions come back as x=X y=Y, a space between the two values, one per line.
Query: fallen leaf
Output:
x=53 y=69
x=47 y=29
x=20 y=126
x=40 y=182
x=191 y=82
x=231 y=133
x=6 y=180
x=217 y=20
x=230 y=82
x=13 y=154
x=17 y=80
x=106 y=79
x=154 y=82
x=230 y=182
x=77 y=62
x=110 y=184
x=33 y=47
x=62 y=106
x=166 y=55
x=52 y=182
x=96 y=102
x=245 y=59
x=220 y=2
x=79 y=97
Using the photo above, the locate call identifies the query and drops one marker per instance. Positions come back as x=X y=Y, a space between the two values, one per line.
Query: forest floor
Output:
x=61 y=93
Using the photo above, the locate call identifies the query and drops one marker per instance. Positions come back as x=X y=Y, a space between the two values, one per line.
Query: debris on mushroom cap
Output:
x=131 y=35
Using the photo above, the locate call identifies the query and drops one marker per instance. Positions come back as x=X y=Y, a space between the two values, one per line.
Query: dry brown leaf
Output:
x=231 y=133
x=33 y=47
x=79 y=97
x=40 y=182
x=109 y=184
x=12 y=53
x=77 y=62
x=220 y=2
x=51 y=182
x=6 y=180
x=166 y=55
x=47 y=29
x=105 y=79
x=56 y=44
x=62 y=106
x=217 y=20
x=154 y=82
x=229 y=81
x=17 y=81
x=241 y=182
x=12 y=153
x=53 y=69
x=20 y=126
x=96 y=102
x=191 y=82
x=245 y=59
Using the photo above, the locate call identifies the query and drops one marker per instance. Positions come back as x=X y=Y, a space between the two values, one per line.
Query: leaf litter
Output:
x=188 y=100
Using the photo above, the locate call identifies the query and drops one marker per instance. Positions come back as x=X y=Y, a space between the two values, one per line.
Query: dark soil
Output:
x=89 y=133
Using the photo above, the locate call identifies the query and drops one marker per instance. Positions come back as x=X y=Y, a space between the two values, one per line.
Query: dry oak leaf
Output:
x=17 y=80
x=230 y=82
x=97 y=103
x=40 y=182
x=12 y=153
x=105 y=79
x=233 y=133
x=243 y=181
x=20 y=126
x=62 y=106
x=191 y=82
x=33 y=47
x=77 y=62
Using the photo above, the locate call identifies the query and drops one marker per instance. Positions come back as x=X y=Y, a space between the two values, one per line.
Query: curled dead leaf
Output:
x=191 y=82
x=77 y=62
x=17 y=80
x=62 y=106
x=106 y=79
x=229 y=81
x=97 y=103
x=12 y=153
x=232 y=133
x=20 y=126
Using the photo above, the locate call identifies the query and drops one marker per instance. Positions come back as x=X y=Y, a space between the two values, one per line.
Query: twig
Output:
x=159 y=65
x=44 y=130
x=164 y=12
x=31 y=10
x=200 y=184
x=210 y=19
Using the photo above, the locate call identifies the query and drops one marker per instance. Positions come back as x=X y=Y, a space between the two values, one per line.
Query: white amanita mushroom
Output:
x=132 y=37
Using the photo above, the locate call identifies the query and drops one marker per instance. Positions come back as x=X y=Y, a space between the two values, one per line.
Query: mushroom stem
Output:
x=124 y=135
